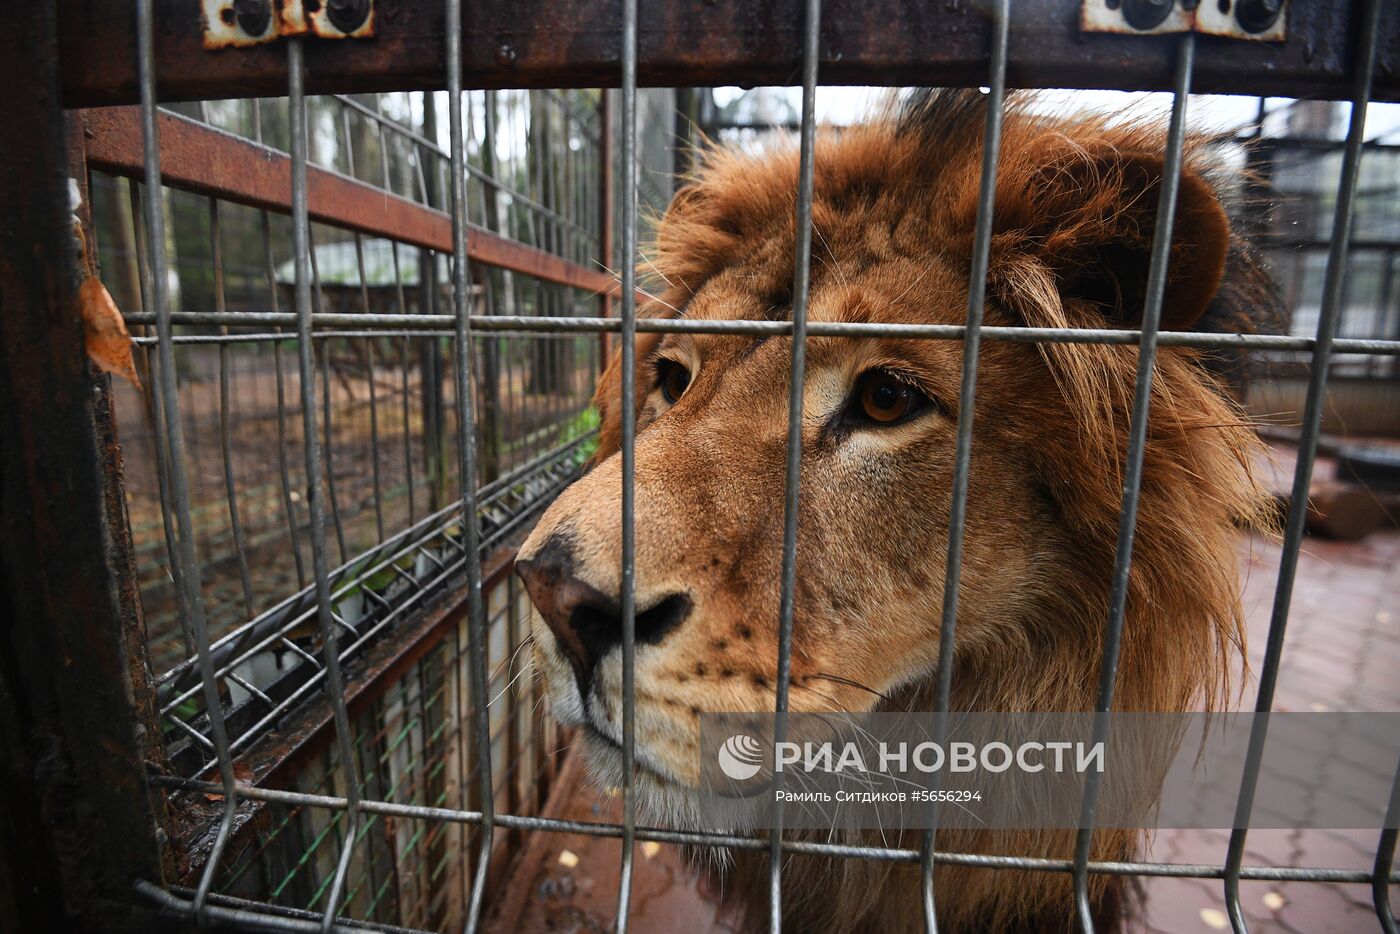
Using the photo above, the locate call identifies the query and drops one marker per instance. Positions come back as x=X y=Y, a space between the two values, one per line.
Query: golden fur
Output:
x=893 y=219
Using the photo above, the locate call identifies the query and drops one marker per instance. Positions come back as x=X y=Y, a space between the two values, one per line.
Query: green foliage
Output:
x=585 y=423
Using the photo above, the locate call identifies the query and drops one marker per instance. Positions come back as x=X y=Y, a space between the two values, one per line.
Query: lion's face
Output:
x=893 y=222
x=878 y=442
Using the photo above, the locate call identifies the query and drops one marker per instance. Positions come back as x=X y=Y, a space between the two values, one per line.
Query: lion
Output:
x=893 y=219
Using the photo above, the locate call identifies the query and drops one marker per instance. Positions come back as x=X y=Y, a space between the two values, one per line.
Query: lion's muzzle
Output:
x=586 y=622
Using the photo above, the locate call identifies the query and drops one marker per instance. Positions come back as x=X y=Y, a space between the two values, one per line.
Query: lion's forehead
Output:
x=855 y=286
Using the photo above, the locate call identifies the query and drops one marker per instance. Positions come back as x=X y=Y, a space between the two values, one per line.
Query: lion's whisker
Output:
x=618 y=278
x=836 y=266
x=509 y=661
x=662 y=274
x=509 y=685
x=852 y=683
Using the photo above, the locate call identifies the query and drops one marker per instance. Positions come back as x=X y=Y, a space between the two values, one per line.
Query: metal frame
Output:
x=225 y=167
x=259 y=176
x=230 y=168
x=577 y=43
x=79 y=824
x=97 y=72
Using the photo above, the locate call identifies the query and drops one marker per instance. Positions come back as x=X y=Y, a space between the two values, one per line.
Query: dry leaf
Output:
x=104 y=331
x=1215 y=919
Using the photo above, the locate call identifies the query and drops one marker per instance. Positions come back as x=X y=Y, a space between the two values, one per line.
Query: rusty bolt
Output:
x=1256 y=16
x=1146 y=14
x=505 y=55
x=254 y=16
x=347 y=15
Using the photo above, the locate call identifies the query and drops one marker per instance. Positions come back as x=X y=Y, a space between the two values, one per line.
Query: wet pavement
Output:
x=1342 y=653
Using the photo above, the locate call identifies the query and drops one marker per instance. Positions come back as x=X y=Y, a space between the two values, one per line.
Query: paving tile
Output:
x=1335 y=849
x=1324 y=908
x=1175 y=905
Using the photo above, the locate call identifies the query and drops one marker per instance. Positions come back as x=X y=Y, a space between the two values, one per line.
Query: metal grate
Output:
x=356 y=808
x=459 y=510
x=370 y=310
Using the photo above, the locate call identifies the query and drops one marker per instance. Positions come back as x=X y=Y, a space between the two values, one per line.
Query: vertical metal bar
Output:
x=328 y=428
x=74 y=702
x=394 y=244
x=374 y=437
x=466 y=454
x=369 y=342
x=417 y=161
x=403 y=309
x=465 y=753
x=430 y=383
x=287 y=505
x=1385 y=858
x=962 y=465
x=404 y=358
x=275 y=305
x=216 y=246
x=335 y=687
x=1132 y=473
x=494 y=284
x=569 y=197
x=628 y=339
x=802 y=278
x=513 y=368
x=1379 y=365
x=189 y=593
x=429 y=356
x=155 y=412
x=1332 y=289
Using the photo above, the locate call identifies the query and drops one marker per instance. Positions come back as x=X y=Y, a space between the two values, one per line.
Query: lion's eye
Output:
x=673 y=379
x=883 y=399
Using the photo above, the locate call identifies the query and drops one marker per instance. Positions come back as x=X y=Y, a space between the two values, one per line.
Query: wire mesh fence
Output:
x=384 y=389
x=351 y=418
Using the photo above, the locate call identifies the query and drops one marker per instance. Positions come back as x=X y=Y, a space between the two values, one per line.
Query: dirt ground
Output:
x=529 y=422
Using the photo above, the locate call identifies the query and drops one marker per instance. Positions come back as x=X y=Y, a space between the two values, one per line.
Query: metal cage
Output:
x=411 y=309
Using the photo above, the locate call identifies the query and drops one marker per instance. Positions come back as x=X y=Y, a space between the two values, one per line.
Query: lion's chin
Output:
x=603 y=754
x=661 y=800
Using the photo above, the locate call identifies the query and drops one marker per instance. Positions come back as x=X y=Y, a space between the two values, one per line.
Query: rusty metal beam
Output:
x=202 y=159
x=79 y=827
x=577 y=43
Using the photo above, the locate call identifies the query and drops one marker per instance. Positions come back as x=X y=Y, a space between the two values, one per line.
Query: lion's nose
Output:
x=587 y=622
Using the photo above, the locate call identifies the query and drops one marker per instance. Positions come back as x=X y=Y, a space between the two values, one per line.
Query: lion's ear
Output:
x=1088 y=217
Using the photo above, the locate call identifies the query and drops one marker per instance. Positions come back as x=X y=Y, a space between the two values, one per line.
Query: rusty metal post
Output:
x=79 y=827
